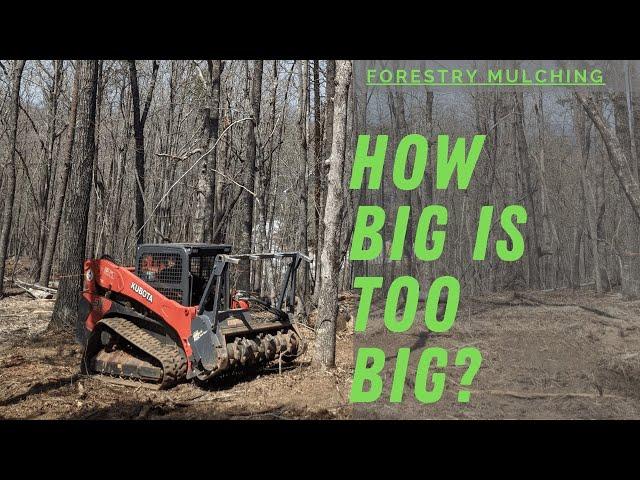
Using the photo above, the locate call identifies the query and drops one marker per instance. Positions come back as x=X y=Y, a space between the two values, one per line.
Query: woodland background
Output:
x=569 y=156
x=100 y=155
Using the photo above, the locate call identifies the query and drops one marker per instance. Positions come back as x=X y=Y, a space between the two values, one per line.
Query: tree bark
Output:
x=246 y=199
x=328 y=136
x=72 y=243
x=303 y=116
x=328 y=299
x=54 y=93
x=617 y=156
x=139 y=120
x=582 y=133
x=93 y=206
x=205 y=193
x=526 y=163
x=47 y=262
x=16 y=80
x=263 y=182
x=318 y=170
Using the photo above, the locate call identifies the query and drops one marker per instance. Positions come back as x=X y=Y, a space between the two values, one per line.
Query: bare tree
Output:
x=328 y=306
x=139 y=121
x=264 y=168
x=526 y=165
x=205 y=193
x=326 y=148
x=72 y=242
x=582 y=133
x=54 y=94
x=303 y=134
x=54 y=225
x=16 y=79
x=617 y=157
x=246 y=198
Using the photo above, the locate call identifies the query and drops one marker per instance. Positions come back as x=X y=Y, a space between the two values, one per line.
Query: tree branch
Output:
x=147 y=102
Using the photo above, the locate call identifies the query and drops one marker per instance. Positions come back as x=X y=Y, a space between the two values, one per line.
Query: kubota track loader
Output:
x=173 y=317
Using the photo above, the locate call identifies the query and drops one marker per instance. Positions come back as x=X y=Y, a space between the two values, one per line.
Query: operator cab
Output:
x=180 y=271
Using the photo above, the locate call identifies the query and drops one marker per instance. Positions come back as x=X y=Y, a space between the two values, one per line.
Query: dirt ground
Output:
x=546 y=355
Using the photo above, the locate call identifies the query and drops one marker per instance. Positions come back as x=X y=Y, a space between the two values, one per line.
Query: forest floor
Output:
x=559 y=354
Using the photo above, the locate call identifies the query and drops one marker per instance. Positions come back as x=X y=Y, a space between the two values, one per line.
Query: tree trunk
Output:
x=583 y=134
x=16 y=79
x=72 y=242
x=623 y=124
x=303 y=116
x=617 y=157
x=318 y=170
x=56 y=87
x=93 y=206
x=139 y=120
x=54 y=226
x=526 y=161
x=328 y=299
x=263 y=182
x=328 y=136
x=424 y=270
x=246 y=199
x=549 y=237
x=205 y=193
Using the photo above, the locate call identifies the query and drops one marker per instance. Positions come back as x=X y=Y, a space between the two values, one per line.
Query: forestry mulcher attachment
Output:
x=173 y=316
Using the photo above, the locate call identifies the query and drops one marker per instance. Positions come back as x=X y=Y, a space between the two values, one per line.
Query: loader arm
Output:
x=102 y=276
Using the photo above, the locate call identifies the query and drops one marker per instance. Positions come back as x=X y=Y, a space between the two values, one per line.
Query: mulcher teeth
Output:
x=261 y=349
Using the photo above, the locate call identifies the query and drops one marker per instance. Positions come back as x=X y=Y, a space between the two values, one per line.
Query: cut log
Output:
x=36 y=291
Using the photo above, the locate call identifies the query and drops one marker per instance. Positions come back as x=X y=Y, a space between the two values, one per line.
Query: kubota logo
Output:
x=141 y=291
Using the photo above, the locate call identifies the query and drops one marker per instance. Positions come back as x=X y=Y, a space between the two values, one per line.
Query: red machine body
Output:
x=102 y=278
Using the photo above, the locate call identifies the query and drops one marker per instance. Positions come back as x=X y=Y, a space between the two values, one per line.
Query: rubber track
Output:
x=171 y=357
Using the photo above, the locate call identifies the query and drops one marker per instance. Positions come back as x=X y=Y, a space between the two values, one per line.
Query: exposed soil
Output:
x=546 y=355
x=560 y=354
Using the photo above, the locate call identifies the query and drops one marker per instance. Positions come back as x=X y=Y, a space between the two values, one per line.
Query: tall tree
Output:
x=205 y=193
x=318 y=171
x=326 y=148
x=246 y=198
x=303 y=134
x=583 y=133
x=52 y=238
x=139 y=121
x=95 y=181
x=53 y=95
x=76 y=211
x=619 y=161
x=325 y=353
x=526 y=164
x=16 y=80
x=264 y=167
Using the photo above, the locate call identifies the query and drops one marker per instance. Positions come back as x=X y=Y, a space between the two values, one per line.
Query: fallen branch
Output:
x=536 y=395
x=299 y=324
x=36 y=286
x=597 y=311
x=204 y=399
x=36 y=291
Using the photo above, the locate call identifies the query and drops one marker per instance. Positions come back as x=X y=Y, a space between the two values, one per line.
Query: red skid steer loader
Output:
x=173 y=316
